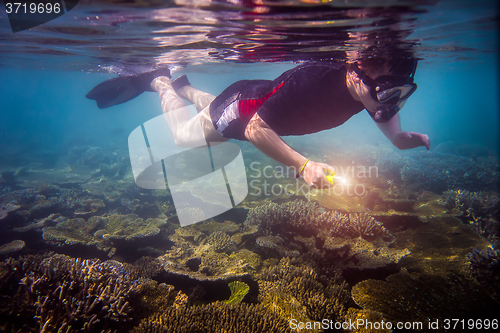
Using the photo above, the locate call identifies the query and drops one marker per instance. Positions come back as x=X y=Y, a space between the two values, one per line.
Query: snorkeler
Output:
x=306 y=99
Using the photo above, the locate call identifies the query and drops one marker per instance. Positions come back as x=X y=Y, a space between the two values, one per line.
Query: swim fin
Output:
x=180 y=82
x=123 y=89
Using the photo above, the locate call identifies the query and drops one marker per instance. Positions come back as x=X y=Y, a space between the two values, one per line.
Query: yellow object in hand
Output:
x=333 y=178
x=330 y=176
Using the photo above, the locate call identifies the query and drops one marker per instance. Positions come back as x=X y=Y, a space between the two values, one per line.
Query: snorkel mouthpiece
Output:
x=385 y=113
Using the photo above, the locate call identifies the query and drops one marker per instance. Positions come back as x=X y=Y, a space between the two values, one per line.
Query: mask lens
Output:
x=396 y=94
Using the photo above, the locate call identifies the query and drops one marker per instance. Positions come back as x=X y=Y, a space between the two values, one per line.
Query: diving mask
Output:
x=390 y=92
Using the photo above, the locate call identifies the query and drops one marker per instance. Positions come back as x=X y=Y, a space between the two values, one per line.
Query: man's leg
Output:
x=187 y=132
x=199 y=98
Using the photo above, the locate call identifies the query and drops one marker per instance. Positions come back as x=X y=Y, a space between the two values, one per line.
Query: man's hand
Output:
x=408 y=140
x=314 y=174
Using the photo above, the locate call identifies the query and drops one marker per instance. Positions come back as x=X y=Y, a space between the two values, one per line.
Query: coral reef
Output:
x=367 y=316
x=479 y=209
x=306 y=217
x=106 y=233
x=203 y=264
x=220 y=241
x=367 y=227
x=44 y=199
x=412 y=297
x=62 y=294
x=112 y=163
x=361 y=254
x=38 y=224
x=297 y=215
x=12 y=247
x=275 y=245
x=199 y=252
x=144 y=267
x=438 y=172
x=72 y=232
x=484 y=268
x=357 y=238
x=129 y=227
x=297 y=291
x=291 y=260
x=214 y=318
x=156 y=297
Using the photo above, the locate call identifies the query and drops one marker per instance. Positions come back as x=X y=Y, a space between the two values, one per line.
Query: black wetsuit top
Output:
x=303 y=100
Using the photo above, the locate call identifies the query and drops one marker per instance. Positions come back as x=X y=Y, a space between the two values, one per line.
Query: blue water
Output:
x=46 y=112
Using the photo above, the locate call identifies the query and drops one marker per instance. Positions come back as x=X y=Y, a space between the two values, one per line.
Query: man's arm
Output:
x=403 y=140
x=270 y=143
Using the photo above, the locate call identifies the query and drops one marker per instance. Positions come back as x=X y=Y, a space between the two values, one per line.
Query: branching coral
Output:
x=480 y=209
x=144 y=267
x=367 y=227
x=484 y=267
x=307 y=218
x=63 y=294
x=279 y=225
x=291 y=216
x=315 y=296
x=214 y=318
x=411 y=297
x=472 y=203
x=220 y=241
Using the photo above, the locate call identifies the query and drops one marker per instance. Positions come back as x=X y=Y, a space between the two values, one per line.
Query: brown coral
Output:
x=214 y=318
x=60 y=293
x=220 y=241
x=411 y=297
x=315 y=297
x=144 y=267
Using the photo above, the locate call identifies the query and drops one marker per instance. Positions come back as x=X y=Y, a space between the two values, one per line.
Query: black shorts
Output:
x=234 y=107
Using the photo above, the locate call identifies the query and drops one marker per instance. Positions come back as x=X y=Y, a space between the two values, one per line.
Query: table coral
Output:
x=12 y=247
x=6 y=208
x=106 y=233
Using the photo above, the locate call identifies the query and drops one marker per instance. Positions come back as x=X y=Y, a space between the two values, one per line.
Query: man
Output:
x=306 y=99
